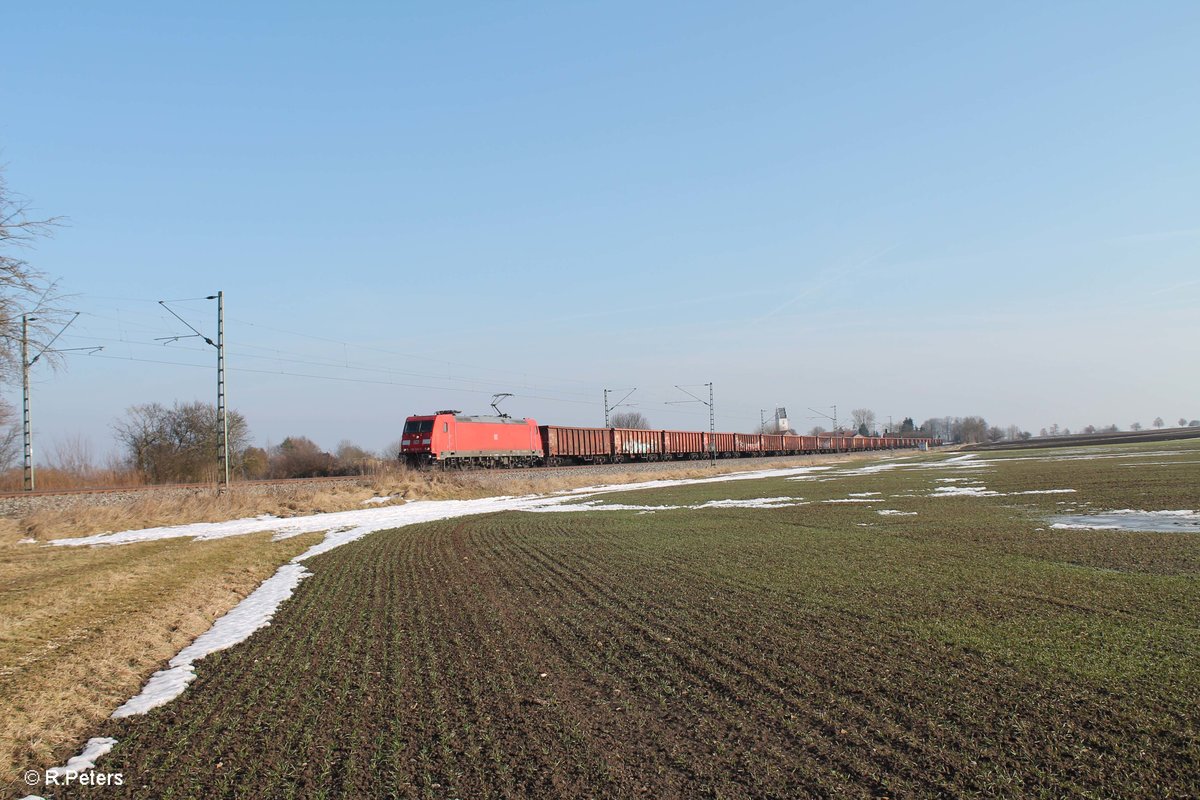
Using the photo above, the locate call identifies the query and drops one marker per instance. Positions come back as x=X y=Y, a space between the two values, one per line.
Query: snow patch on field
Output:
x=978 y=490
x=853 y=500
x=598 y=505
x=375 y=501
x=963 y=491
x=87 y=759
x=1128 y=519
x=891 y=512
x=761 y=502
x=246 y=617
x=865 y=494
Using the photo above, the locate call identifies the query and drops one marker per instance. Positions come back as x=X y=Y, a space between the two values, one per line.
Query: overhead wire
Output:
x=146 y=323
x=304 y=358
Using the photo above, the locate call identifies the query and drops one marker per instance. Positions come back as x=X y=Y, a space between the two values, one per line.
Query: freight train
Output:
x=450 y=439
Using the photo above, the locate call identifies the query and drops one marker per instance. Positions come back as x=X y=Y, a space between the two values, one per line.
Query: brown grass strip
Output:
x=82 y=628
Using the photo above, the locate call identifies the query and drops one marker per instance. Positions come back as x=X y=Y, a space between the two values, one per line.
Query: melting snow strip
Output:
x=597 y=505
x=854 y=500
x=246 y=617
x=963 y=491
x=1128 y=519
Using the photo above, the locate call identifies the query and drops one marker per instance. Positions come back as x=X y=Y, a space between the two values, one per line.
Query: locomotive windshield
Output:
x=418 y=426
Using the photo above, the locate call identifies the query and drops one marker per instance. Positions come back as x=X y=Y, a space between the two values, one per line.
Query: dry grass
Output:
x=54 y=479
x=82 y=628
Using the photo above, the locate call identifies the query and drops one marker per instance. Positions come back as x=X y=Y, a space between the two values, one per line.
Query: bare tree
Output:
x=970 y=430
x=23 y=289
x=630 y=419
x=939 y=427
x=817 y=430
x=1135 y=426
x=1158 y=422
x=300 y=457
x=255 y=464
x=1182 y=422
x=352 y=459
x=178 y=444
x=73 y=455
x=10 y=435
x=863 y=418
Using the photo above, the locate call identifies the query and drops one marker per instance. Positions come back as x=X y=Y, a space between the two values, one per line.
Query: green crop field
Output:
x=955 y=646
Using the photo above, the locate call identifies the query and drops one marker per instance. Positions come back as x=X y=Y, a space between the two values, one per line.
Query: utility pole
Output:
x=712 y=424
x=762 y=420
x=26 y=425
x=832 y=419
x=712 y=418
x=27 y=364
x=222 y=415
x=618 y=404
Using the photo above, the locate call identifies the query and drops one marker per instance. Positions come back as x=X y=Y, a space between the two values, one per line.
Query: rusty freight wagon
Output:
x=747 y=443
x=722 y=444
x=772 y=444
x=632 y=444
x=683 y=444
x=563 y=445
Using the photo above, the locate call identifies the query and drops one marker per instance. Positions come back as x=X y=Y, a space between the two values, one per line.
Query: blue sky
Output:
x=923 y=209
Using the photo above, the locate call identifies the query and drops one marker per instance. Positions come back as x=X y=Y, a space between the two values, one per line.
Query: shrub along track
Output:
x=550 y=655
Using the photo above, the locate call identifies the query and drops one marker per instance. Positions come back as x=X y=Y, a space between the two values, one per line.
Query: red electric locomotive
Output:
x=450 y=438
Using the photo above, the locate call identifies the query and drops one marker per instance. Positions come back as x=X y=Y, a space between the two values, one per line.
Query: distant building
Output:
x=779 y=424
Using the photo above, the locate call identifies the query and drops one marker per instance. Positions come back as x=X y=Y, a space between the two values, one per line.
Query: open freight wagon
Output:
x=452 y=439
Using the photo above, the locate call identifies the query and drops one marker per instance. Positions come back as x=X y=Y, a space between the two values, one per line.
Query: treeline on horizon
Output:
x=179 y=444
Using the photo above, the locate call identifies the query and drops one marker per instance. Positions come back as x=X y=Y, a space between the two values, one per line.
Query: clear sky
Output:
x=924 y=209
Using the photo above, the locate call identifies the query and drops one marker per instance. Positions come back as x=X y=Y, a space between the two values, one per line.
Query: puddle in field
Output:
x=1128 y=519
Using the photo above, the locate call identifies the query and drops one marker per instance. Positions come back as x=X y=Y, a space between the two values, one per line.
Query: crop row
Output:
x=676 y=654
